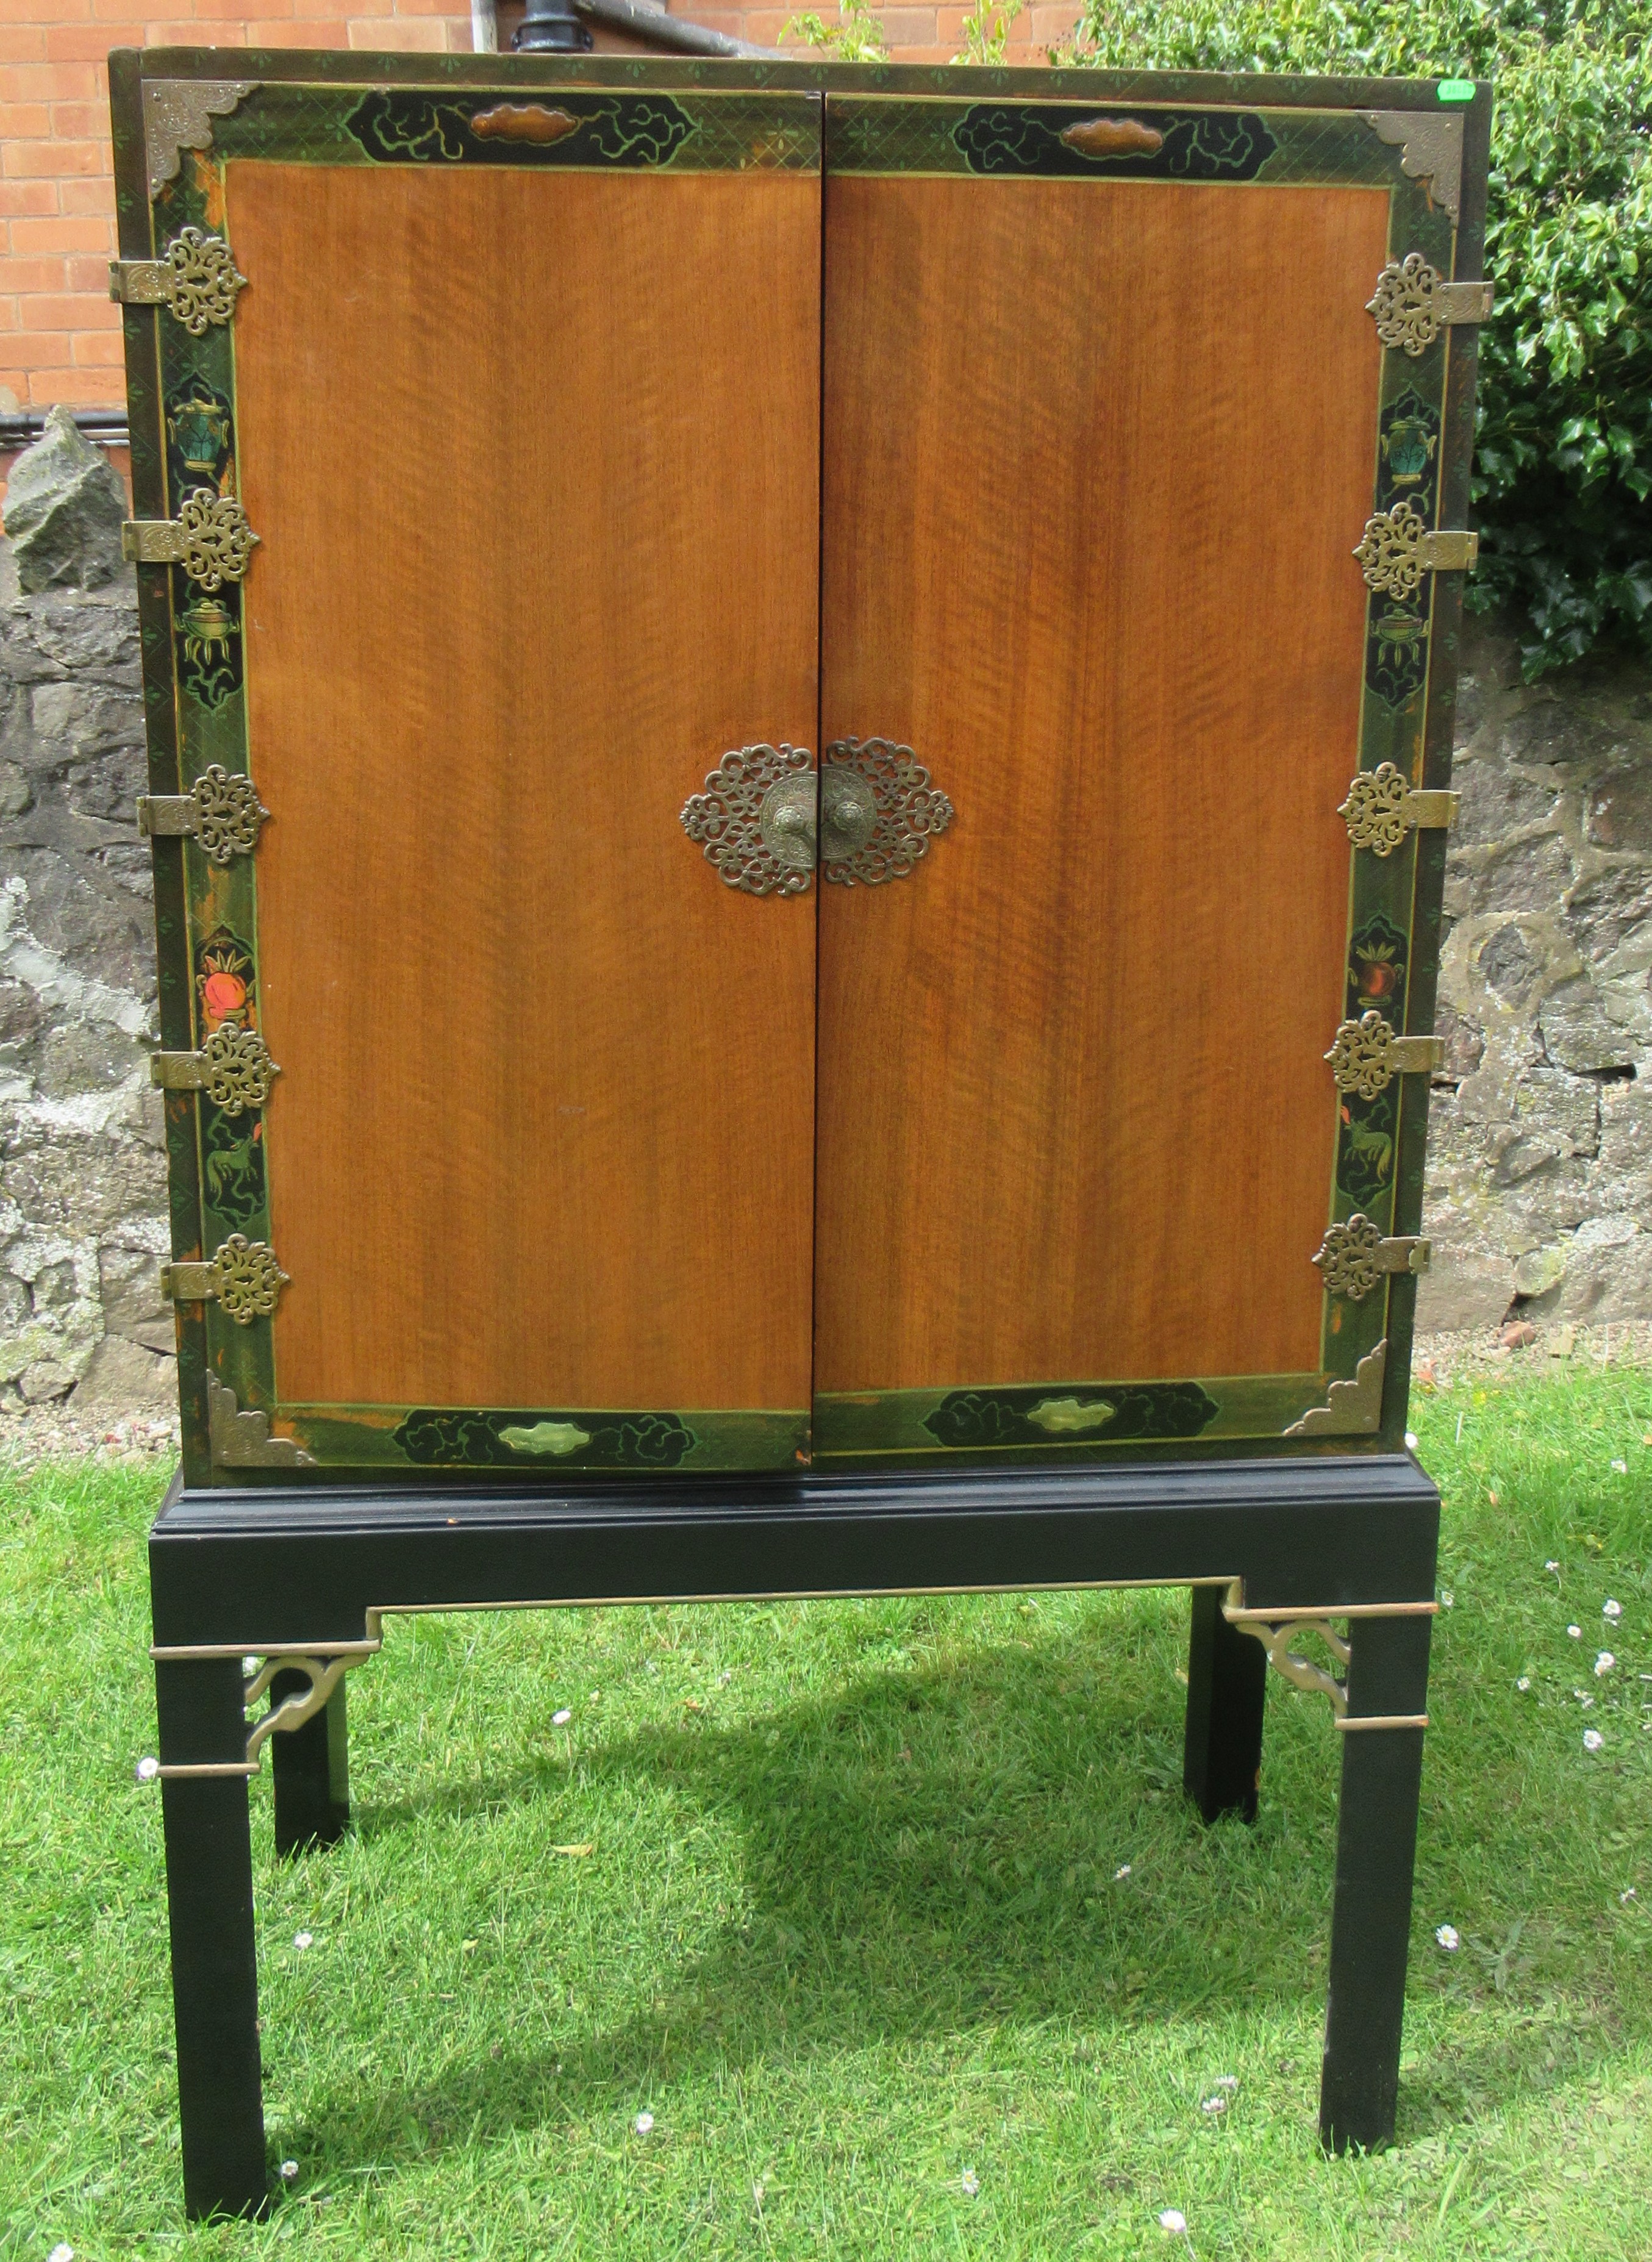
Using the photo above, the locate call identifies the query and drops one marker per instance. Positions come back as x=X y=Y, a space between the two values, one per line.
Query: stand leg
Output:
x=1371 y=1917
x=310 y=1766
x=215 y=1958
x=1227 y=1684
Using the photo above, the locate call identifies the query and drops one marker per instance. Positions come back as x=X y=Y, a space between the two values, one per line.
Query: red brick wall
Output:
x=59 y=336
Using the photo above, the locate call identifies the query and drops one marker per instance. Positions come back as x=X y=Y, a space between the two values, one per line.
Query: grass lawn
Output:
x=891 y=1914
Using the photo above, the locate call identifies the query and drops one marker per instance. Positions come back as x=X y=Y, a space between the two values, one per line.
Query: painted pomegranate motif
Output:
x=222 y=994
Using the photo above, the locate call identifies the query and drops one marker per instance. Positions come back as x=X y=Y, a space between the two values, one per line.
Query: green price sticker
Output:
x=1456 y=89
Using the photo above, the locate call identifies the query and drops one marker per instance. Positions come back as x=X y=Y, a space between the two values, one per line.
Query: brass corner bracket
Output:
x=233 y=1067
x=178 y=114
x=1398 y=547
x=241 y=1438
x=1352 y=1408
x=1277 y=1629
x=324 y=1665
x=1354 y=1256
x=242 y=1276
x=1366 y=1053
x=196 y=279
x=1413 y=303
x=1430 y=143
x=209 y=538
x=1381 y=808
x=221 y=813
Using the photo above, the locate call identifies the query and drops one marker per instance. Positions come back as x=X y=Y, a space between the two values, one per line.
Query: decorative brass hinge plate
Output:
x=233 y=1067
x=209 y=538
x=1397 y=548
x=878 y=811
x=1366 y=1053
x=243 y=1277
x=221 y=813
x=195 y=280
x=1414 y=302
x=1352 y=1409
x=1354 y=1256
x=1381 y=808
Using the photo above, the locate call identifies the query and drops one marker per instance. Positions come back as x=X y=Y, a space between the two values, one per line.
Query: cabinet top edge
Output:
x=350 y=67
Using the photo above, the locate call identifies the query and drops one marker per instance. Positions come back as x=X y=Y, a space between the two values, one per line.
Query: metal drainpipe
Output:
x=485 y=27
x=551 y=27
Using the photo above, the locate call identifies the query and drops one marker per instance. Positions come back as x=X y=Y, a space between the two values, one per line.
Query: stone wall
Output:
x=83 y=1177
x=1540 y=1182
x=1539 y=1163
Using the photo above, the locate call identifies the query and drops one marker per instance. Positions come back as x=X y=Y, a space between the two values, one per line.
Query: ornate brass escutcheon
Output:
x=878 y=811
x=766 y=816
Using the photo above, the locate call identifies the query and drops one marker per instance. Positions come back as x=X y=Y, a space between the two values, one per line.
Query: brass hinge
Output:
x=1366 y=1053
x=1354 y=1256
x=209 y=538
x=243 y=1277
x=233 y=1067
x=195 y=279
x=221 y=813
x=1414 y=302
x=1381 y=810
x=1397 y=548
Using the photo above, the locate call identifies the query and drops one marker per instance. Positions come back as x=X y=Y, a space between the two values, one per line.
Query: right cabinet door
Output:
x=1106 y=417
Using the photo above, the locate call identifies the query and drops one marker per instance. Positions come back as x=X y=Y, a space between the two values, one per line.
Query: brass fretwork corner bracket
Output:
x=233 y=1067
x=178 y=114
x=242 y=1276
x=241 y=1438
x=221 y=813
x=1354 y=1256
x=1277 y=1629
x=1430 y=143
x=1398 y=547
x=1414 y=302
x=1381 y=808
x=1366 y=1053
x=1352 y=1408
x=324 y=1666
x=195 y=280
x=209 y=538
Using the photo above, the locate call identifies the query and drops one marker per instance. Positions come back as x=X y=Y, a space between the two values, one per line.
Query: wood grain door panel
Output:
x=534 y=459
x=1089 y=496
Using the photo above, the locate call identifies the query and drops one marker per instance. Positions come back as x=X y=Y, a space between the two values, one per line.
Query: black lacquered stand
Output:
x=300 y=1579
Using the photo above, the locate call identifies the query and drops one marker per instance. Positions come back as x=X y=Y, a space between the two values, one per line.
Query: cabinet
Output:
x=1074 y=484
x=799 y=727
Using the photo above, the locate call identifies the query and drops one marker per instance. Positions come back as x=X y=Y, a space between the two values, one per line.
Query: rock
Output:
x=1579 y=1031
x=125 y=1379
x=1517 y=1335
x=46 y=1378
x=1464 y=1042
x=1463 y=1290
x=1608 y=1271
x=63 y=511
x=129 y=1281
x=1508 y=964
x=1497 y=800
x=1539 y=1271
x=1620 y=808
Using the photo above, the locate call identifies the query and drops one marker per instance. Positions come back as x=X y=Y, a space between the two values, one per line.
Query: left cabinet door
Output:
x=521 y=402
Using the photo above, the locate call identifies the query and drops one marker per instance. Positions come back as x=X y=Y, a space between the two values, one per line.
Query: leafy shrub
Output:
x=1564 y=464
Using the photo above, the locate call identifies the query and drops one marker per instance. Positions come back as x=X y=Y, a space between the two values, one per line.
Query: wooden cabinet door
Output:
x=1106 y=417
x=521 y=402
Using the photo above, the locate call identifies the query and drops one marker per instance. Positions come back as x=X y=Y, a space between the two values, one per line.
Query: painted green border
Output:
x=309 y=108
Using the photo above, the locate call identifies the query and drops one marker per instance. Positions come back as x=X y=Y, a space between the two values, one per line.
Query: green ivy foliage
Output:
x=1564 y=464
